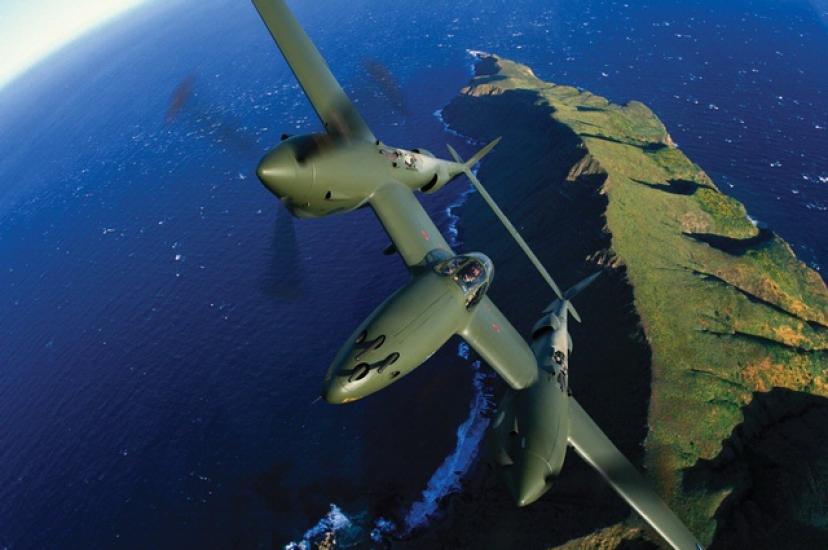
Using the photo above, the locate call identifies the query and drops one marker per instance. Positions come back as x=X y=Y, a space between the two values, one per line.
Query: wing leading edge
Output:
x=596 y=449
x=408 y=225
x=335 y=110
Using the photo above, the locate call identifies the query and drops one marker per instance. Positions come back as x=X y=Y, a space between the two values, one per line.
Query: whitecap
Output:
x=448 y=477
x=332 y=522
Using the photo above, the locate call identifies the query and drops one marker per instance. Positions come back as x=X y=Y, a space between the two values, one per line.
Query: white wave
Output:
x=448 y=477
x=325 y=529
x=446 y=128
x=478 y=53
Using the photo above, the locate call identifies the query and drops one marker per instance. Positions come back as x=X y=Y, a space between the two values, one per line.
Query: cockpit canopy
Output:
x=473 y=273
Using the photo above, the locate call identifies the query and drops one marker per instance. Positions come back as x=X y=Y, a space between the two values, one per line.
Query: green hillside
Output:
x=734 y=326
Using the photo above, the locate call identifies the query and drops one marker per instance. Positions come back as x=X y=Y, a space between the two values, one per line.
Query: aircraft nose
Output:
x=335 y=393
x=277 y=171
x=529 y=482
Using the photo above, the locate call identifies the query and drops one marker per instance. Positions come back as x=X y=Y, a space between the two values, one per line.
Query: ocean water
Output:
x=164 y=336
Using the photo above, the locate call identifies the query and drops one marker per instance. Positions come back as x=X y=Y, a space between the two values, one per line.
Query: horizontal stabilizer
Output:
x=573 y=311
x=576 y=289
x=554 y=304
x=571 y=293
x=479 y=155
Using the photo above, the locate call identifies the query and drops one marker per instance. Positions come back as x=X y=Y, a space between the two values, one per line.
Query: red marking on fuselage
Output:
x=425 y=235
x=496 y=327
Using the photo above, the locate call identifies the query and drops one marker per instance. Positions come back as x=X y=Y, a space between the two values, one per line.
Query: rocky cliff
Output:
x=703 y=354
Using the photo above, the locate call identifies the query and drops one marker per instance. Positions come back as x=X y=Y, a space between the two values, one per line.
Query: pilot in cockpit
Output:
x=471 y=273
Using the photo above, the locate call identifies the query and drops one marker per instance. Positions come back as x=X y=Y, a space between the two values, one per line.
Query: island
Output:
x=704 y=348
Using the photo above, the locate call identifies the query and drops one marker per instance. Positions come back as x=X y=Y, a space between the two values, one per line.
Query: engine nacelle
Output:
x=406 y=329
x=398 y=337
x=442 y=175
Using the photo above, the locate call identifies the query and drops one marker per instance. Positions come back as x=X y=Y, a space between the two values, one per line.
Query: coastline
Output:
x=449 y=477
x=708 y=312
x=607 y=187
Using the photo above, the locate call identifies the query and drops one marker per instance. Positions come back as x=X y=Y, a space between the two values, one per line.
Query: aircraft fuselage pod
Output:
x=315 y=175
x=531 y=428
x=406 y=329
x=535 y=426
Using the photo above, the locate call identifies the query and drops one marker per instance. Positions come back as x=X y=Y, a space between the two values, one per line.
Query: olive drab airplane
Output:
x=346 y=168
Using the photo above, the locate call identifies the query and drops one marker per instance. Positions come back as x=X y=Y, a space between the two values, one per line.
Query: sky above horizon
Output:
x=30 y=30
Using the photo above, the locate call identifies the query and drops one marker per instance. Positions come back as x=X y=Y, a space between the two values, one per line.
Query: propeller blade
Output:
x=210 y=120
x=501 y=216
x=387 y=85
x=180 y=96
x=284 y=281
x=338 y=114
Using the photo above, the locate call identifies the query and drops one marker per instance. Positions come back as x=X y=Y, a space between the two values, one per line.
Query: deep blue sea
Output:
x=163 y=337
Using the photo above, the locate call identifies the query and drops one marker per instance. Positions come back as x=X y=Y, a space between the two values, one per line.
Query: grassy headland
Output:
x=706 y=319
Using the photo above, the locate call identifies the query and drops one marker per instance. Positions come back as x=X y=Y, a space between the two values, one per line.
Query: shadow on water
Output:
x=283 y=278
x=775 y=463
x=386 y=85
x=214 y=121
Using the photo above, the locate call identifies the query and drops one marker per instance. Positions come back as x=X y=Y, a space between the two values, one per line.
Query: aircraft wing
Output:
x=338 y=114
x=596 y=449
x=407 y=223
x=501 y=346
x=489 y=332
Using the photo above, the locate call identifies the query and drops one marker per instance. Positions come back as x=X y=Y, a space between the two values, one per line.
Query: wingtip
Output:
x=453 y=153
x=573 y=311
x=482 y=153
